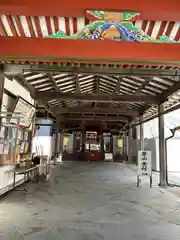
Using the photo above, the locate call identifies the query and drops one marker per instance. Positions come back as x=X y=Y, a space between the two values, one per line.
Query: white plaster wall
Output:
x=18 y=90
x=7 y=179
x=173 y=155
x=156 y=160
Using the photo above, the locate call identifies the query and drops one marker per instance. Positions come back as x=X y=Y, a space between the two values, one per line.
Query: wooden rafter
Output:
x=77 y=86
x=118 y=111
x=96 y=90
x=78 y=89
x=143 y=85
x=57 y=89
x=174 y=88
x=95 y=118
x=117 y=87
x=98 y=69
x=97 y=97
x=51 y=78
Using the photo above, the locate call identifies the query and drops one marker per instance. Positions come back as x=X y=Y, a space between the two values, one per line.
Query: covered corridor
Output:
x=91 y=201
x=99 y=76
x=123 y=82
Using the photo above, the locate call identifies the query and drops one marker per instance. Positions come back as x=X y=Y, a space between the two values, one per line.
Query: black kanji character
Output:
x=144 y=166
x=144 y=154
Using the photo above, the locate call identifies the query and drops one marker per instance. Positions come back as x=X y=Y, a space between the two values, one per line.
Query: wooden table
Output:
x=26 y=173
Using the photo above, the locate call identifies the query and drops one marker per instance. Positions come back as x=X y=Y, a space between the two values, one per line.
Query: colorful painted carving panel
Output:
x=117 y=26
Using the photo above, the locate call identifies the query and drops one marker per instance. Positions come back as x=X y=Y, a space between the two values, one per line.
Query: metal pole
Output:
x=56 y=140
x=130 y=143
x=141 y=134
x=135 y=143
x=162 y=148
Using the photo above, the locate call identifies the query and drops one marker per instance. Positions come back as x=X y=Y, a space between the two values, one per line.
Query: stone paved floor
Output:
x=90 y=201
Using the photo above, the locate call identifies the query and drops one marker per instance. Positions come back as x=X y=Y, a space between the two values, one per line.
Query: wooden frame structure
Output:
x=77 y=81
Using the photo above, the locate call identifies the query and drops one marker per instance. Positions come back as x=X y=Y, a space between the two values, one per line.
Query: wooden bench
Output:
x=26 y=173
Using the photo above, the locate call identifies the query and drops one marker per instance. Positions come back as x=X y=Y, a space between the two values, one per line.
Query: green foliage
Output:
x=89 y=29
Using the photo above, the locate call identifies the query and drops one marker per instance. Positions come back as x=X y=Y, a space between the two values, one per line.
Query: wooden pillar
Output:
x=74 y=142
x=83 y=140
x=2 y=80
x=141 y=134
x=111 y=143
x=130 y=143
x=135 y=145
x=124 y=146
x=162 y=148
x=61 y=144
x=102 y=146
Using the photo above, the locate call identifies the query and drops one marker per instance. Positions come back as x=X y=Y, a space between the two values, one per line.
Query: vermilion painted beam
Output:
x=150 y=10
x=15 y=48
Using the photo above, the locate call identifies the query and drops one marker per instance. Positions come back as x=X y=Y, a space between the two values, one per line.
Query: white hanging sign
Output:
x=144 y=163
x=27 y=110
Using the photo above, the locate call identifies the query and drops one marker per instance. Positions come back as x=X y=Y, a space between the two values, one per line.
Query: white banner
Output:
x=144 y=163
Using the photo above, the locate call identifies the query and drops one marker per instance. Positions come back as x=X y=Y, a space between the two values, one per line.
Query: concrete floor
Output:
x=90 y=201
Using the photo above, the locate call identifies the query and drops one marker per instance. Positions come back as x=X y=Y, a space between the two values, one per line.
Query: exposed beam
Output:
x=50 y=76
x=91 y=69
x=143 y=85
x=94 y=118
x=97 y=84
x=78 y=89
x=15 y=48
x=96 y=90
x=119 y=111
x=151 y=10
x=117 y=87
x=174 y=88
x=22 y=81
x=97 y=97
x=57 y=89
x=47 y=106
x=143 y=109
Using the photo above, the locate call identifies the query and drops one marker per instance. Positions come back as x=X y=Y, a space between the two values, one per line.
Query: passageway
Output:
x=90 y=201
